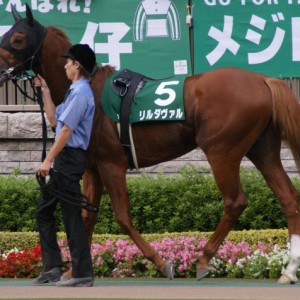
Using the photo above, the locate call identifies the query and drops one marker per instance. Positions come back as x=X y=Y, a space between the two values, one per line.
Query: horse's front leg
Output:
x=115 y=183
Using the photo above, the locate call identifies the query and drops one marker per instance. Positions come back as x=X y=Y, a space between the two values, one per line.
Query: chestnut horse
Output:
x=230 y=113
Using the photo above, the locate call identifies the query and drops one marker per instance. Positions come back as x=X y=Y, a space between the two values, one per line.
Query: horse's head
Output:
x=21 y=45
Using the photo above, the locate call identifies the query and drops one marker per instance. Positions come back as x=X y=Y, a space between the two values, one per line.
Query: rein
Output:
x=37 y=98
x=71 y=197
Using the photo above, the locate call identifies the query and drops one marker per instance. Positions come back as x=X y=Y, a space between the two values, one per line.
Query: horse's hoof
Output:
x=202 y=272
x=169 y=270
x=284 y=278
x=66 y=276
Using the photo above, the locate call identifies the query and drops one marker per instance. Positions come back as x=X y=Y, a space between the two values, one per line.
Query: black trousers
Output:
x=68 y=170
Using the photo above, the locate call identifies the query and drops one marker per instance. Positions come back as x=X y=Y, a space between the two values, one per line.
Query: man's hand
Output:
x=39 y=81
x=44 y=168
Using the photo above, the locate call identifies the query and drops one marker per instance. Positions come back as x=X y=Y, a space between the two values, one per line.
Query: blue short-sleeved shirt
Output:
x=77 y=112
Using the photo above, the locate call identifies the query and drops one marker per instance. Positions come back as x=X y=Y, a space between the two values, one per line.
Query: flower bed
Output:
x=123 y=259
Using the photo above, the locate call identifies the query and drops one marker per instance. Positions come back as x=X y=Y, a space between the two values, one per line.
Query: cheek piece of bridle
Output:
x=29 y=59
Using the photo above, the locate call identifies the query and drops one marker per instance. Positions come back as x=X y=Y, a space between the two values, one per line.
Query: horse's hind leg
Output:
x=92 y=189
x=226 y=173
x=114 y=179
x=265 y=154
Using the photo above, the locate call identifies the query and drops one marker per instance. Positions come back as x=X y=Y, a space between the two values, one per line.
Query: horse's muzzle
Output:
x=6 y=75
x=3 y=78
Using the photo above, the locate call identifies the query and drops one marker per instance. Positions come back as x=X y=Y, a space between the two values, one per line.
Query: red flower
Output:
x=23 y=264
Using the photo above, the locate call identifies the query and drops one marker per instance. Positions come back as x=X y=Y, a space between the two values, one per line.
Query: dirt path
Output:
x=156 y=289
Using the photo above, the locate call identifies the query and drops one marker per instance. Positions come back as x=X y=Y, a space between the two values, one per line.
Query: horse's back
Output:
x=228 y=88
x=228 y=80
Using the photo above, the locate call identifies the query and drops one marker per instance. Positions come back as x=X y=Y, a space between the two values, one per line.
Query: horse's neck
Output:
x=99 y=80
x=52 y=65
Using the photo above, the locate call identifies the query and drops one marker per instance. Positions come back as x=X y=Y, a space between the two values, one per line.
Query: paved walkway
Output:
x=156 y=289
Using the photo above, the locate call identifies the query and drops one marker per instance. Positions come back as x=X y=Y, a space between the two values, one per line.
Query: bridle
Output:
x=17 y=72
x=27 y=63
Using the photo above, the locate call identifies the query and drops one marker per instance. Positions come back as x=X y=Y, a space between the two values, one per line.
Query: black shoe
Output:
x=52 y=275
x=85 y=281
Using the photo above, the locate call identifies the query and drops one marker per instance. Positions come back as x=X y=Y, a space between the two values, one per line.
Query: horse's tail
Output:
x=286 y=115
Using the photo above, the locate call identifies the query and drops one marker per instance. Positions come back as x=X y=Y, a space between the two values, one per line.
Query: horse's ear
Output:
x=16 y=15
x=29 y=15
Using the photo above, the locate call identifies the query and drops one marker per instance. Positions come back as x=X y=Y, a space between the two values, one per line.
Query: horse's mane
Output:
x=106 y=70
x=60 y=32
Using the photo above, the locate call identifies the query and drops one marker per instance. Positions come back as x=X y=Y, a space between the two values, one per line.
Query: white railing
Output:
x=12 y=100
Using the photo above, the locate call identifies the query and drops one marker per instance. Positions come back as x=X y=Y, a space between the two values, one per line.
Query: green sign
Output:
x=152 y=37
x=146 y=36
x=259 y=35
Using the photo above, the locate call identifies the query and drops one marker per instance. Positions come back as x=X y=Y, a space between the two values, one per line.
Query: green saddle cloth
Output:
x=159 y=100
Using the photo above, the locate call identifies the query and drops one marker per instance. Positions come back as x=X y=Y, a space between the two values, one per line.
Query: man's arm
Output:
x=59 y=144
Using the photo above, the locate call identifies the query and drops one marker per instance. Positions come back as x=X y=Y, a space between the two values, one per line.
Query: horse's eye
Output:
x=18 y=41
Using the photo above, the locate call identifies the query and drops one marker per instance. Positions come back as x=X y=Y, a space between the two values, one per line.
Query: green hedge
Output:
x=21 y=240
x=189 y=201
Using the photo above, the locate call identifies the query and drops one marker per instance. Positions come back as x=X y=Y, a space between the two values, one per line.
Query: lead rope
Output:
x=70 y=197
x=40 y=101
x=37 y=97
